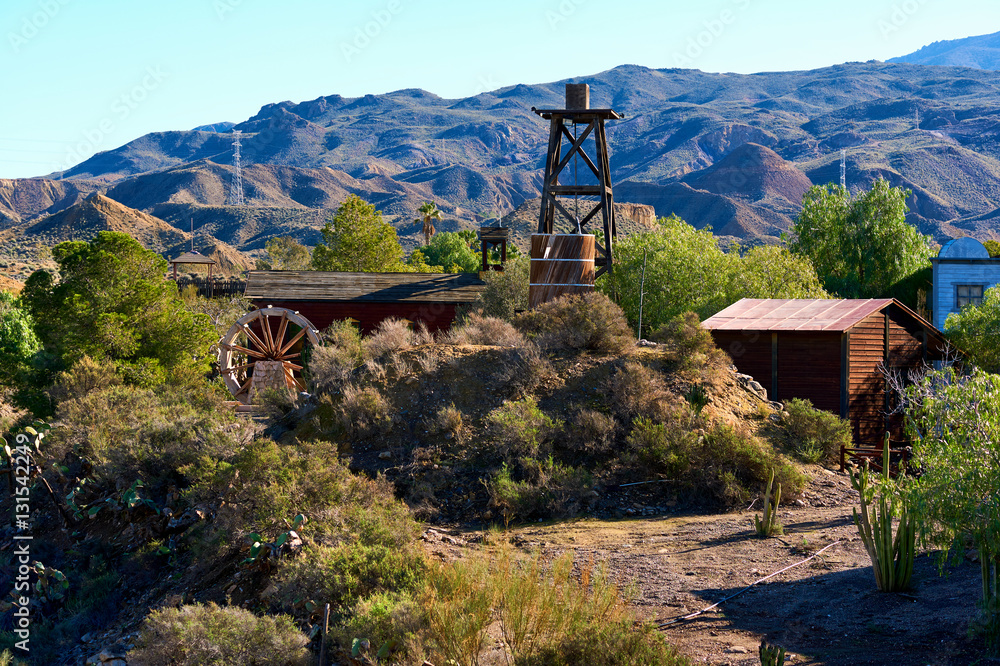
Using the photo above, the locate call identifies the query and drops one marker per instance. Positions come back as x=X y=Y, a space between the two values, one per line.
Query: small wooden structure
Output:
x=193 y=258
x=578 y=113
x=367 y=298
x=830 y=352
x=494 y=239
x=560 y=264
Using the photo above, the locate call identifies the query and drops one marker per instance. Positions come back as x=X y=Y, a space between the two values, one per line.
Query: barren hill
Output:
x=980 y=52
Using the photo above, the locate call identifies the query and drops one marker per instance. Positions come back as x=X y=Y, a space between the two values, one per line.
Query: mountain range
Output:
x=980 y=52
x=729 y=152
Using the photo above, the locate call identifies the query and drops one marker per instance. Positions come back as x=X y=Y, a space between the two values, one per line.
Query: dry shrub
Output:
x=639 y=391
x=364 y=411
x=480 y=330
x=423 y=335
x=392 y=335
x=331 y=363
x=523 y=368
x=449 y=420
x=691 y=344
x=591 y=432
x=84 y=376
x=197 y=635
x=579 y=321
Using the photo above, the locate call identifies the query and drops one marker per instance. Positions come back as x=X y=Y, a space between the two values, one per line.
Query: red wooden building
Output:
x=368 y=298
x=829 y=352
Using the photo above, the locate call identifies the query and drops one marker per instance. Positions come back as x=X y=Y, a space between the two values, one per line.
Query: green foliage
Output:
x=428 y=213
x=218 y=636
x=387 y=621
x=771 y=655
x=18 y=342
x=522 y=429
x=547 y=488
x=284 y=253
x=993 y=247
x=506 y=292
x=455 y=251
x=113 y=303
x=818 y=435
x=692 y=346
x=974 y=331
x=861 y=246
x=544 y=614
x=579 y=321
x=891 y=556
x=955 y=424
x=768 y=525
x=342 y=574
x=687 y=271
x=356 y=239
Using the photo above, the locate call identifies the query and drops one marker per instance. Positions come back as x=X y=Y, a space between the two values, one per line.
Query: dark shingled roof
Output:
x=363 y=287
x=192 y=258
x=802 y=314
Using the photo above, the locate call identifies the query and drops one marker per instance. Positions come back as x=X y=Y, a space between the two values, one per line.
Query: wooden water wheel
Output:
x=263 y=350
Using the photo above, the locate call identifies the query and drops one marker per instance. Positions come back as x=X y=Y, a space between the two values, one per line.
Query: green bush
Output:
x=548 y=488
x=522 y=429
x=506 y=292
x=580 y=322
x=692 y=345
x=389 y=621
x=84 y=376
x=218 y=636
x=340 y=575
x=817 y=434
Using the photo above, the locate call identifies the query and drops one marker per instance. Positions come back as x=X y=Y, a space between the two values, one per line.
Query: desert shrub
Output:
x=389 y=621
x=449 y=421
x=364 y=411
x=277 y=482
x=222 y=636
x=522 y=369
x=584 y=321
x=638 y=390
x=392 y=335
x=546 y=489
x=506 y=291
x=522 y=429
x=129 y=432
x=84 y=376
x=340 y=575
x=545 y=614
x=329 y=365
x=817 y=434
x=691 y=344
x=719 y=463
x=480 y=330
x=590 y=432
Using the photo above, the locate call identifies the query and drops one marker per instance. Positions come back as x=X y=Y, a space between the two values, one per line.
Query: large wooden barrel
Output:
x=560 y=264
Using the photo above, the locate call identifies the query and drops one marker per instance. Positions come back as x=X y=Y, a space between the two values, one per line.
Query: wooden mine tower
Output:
x=578 y=114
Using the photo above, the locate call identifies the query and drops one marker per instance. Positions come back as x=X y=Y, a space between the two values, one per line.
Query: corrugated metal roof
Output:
x=802 y=314
x=363 y=287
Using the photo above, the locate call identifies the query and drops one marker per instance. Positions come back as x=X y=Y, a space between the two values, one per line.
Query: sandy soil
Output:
x=825 y=611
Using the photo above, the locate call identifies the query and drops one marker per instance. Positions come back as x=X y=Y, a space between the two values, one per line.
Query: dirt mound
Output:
x=99 y=213
x=752 y=172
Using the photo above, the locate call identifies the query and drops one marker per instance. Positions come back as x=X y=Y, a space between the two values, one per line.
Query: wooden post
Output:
x=326 y=626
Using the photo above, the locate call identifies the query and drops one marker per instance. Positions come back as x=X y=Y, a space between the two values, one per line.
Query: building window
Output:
x=969 y=294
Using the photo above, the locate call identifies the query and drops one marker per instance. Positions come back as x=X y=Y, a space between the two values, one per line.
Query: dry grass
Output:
x=480 y=330
x=581 y=322
x=639 y=391
x=392 y=335
x=364 y=411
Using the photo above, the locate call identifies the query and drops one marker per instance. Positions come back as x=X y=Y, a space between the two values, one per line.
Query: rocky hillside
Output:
x=981 y=52
x=724 y=151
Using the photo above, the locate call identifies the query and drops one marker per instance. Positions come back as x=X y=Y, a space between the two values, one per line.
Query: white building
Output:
x=963 y=270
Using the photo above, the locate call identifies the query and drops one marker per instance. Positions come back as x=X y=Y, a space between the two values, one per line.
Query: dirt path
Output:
x=826 y=611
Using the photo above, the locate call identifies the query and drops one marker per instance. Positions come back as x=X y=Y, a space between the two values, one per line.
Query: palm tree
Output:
x=429 y=211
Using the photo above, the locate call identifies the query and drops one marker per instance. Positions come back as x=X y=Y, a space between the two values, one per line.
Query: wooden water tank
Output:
x=560 y=264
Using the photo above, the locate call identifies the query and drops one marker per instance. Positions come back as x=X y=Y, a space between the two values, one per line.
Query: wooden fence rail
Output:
x=214 y=288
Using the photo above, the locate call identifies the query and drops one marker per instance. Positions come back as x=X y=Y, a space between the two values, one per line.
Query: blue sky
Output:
x=81 y=76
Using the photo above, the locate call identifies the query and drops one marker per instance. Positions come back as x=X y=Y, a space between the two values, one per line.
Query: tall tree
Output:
x=974 y=331
x=18 y=342
x=862 y=247
x=428 y=213
x=285 y=254
x=357 y=239
x=112 y=301
x=454 y=251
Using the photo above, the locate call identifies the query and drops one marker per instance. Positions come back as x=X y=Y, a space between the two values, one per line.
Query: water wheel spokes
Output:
x=263 y=350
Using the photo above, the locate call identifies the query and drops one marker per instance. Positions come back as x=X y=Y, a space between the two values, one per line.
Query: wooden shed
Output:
x=829 y=352
x=368 y=298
